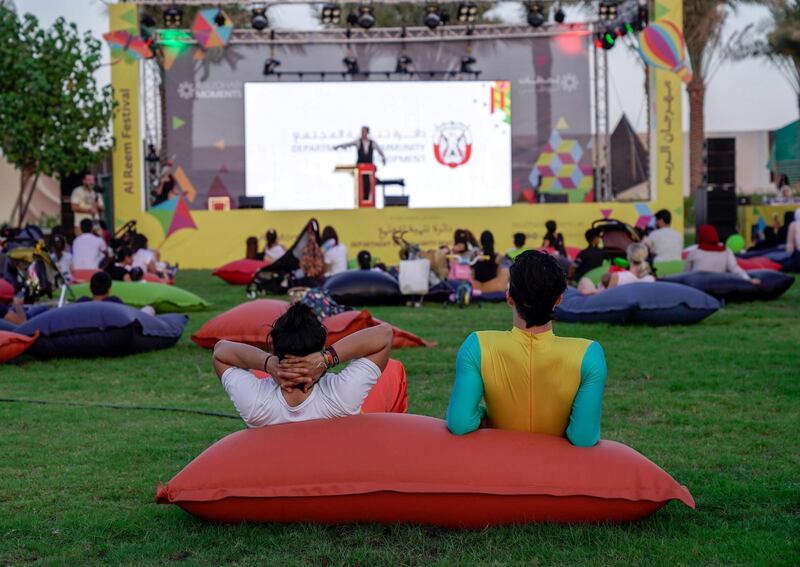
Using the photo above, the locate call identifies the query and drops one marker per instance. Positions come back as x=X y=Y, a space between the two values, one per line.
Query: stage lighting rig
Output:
x=366 y=17
x=607 y=10
x=332 y=14
x=173 y=16
x=351 y=64
x=271 y=65
x=559 y=16
x=467 y=12
x=467 y=61
x=435 y=16
x=536 y=17
x=258 y=17
x=404 y=63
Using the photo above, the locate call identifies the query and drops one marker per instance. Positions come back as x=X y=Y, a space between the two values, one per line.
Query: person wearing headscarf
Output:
x=712 y=256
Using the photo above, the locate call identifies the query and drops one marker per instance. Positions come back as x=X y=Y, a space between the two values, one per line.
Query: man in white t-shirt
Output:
x=85 y=202
x=665 y=243
x=88 y=249
x=302 y=388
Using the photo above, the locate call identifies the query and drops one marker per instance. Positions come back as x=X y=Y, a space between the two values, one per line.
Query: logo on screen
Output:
x=452 y=144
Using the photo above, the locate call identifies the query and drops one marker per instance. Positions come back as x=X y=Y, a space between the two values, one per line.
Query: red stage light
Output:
x=571 y=44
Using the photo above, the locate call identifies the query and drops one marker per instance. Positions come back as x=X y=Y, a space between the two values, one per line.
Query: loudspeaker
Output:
x=719 y=161
x=251 y=202
x=716 y=205
x=395 y=200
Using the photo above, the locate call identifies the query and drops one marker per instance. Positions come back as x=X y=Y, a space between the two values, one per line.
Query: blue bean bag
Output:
x=732 y=288
x=364 y=287
x=96 y=329
x=659 y=303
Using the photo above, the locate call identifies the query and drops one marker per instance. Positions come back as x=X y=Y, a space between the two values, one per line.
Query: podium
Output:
x=363 y=173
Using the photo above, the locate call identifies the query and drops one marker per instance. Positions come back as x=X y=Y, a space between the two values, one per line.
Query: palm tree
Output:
x=703 y=21
x=783 y=42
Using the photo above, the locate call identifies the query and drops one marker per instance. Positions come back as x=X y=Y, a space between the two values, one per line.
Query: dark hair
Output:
x=665 y=216
x=460 y=236
x=297 y=332
x=272 y=237
x=329 y=233
x=365 y=128
x=551 y=226
x=86 y=225
x=100 y=283
x=537 y=281
x=590 y=235
x=487 y=243
x=251 y=248
x=138 y=242
x=519 y=239
x=58 y=243
x=364 y=260
x=122 y=253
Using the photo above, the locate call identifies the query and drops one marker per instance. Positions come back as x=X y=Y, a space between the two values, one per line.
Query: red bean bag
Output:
x=12 y=345
x=6 y=291
x=758 y=263
x=389 y=394
x=240 y=272
x=85 y=276
x=391 y=468
x=251 y=322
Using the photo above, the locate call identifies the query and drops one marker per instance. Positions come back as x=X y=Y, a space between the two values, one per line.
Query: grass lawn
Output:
x=715 y=404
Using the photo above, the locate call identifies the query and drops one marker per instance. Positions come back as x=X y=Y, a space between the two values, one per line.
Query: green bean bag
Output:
x=164 y=298
x=668 y=268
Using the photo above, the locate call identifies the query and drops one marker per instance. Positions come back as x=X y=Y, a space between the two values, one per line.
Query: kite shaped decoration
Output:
x=128 y=46
x=212 y=28
x=173 y=215
x=662 y=45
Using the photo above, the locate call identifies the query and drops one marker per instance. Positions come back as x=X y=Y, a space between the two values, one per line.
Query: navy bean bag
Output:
x=96 y=329
x=364 y=287
x=659 y=303
x=732 y=288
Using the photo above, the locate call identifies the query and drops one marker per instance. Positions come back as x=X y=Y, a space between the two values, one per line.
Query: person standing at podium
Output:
x=366 y=148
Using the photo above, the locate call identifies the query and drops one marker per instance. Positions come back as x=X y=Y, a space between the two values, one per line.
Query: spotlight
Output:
x=403 y=64
x=467 y=12
x=559 y=16
x=536 y=16
x=147 y=21
x=219 y=19
x=432 y=18
x=271 y=65
x=332 y=14
x=607 y=10
x=352 y=19
x=467 y=61
x=351 y=63
x=173 y=16
x=258 y=17
x=366 y=17
x=604 y=40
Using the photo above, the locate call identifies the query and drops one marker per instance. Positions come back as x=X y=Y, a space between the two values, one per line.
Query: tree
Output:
x=783 y=42
x=703 y=21
x=53 y=118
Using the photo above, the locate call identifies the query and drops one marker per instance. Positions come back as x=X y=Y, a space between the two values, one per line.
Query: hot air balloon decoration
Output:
x=661 y=45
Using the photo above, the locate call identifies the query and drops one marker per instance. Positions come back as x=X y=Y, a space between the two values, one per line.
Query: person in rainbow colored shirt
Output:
x=530 y=379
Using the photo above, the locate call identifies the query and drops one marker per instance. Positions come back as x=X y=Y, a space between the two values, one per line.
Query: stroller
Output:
x=27 y=265
x=616 y=236
x=291 y=269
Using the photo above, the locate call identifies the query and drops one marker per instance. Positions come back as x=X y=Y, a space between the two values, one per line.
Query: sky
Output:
x=748 y=95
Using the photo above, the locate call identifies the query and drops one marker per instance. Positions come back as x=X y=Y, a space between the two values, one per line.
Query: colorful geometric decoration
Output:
x=217 y=188
x=173 y=215
x=177 y=122
x=185 y=185
x=206 y=31
x=558 y=168
x=501 y=99
x=606 y=213
x=129 y=47
x=645 y=215
x=662 y=45
x=220 y=144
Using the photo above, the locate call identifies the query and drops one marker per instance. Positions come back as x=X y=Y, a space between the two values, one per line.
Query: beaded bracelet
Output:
x=334 y=355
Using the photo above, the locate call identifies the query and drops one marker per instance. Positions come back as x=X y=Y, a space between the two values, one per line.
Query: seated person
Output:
x=62 y=258
x=88 y=249
x=553 y=239
x=486 y=267
x=712 y=256
x=664 y=242
x=530 y=379
x=120 y=269
x=302 y=388
x=143 y=258
x=14 y=313
x=638 y=271
x=793 y=243
x=519 y=246
x=273 y=250
x=364 y=259
x=334 y=252
x=589 y=258
x=251 y=249
x=100 y=286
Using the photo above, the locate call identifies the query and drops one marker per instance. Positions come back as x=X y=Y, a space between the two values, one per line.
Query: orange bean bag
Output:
x=240 y=272
x=758 y=263
x=6 y=291
x=391 y=468
x=13 y=344
x=389 y=394
x=84 y=276
x=251 y=322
